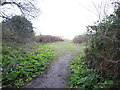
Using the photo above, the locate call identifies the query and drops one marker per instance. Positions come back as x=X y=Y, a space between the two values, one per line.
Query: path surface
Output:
x=56 y=75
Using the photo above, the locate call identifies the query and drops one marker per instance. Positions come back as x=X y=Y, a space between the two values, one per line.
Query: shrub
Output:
x=17 y=29
x=47 y=38
x=104 y=49
x=80 y=39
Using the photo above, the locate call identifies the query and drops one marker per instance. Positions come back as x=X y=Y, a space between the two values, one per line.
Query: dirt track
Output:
x=56 y=75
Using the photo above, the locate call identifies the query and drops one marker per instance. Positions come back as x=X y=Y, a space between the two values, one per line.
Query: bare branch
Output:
x=26 y=8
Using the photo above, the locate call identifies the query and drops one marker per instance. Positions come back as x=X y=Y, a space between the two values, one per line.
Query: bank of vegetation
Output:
x=100 y=65
x=24 y=55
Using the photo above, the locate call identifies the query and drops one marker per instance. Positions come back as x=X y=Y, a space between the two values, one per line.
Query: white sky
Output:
x=67 y=18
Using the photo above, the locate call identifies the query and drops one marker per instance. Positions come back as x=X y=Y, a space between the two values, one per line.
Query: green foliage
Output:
x=80 y=39
x=83 y=77
x=17 y=29
x=20 y=23
x=18 y=67
x=103 y=51
x=47 y=38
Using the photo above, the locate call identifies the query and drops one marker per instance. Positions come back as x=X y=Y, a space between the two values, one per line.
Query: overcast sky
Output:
x=68 y=18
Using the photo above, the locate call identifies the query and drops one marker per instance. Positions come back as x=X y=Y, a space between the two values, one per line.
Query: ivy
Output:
x=83 y=77
x=18 y=68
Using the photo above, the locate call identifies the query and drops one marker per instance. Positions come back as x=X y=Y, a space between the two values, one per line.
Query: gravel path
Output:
x=56 y=75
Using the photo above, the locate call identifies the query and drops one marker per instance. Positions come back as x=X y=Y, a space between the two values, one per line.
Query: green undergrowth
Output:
x=83 y=77
x=19 y=66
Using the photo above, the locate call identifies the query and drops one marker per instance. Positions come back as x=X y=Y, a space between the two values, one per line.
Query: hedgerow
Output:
x=19 y=67
x=100 y=67
x=103 y=51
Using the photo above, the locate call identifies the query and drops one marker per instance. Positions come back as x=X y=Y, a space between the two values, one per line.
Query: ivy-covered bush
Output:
x=104 y=49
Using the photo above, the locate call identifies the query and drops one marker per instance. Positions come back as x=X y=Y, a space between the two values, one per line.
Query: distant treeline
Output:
x=47 y=38
x=80 y=39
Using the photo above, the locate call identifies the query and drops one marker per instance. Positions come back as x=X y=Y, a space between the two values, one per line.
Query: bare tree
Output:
x=102 y=9
x=24 y=7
